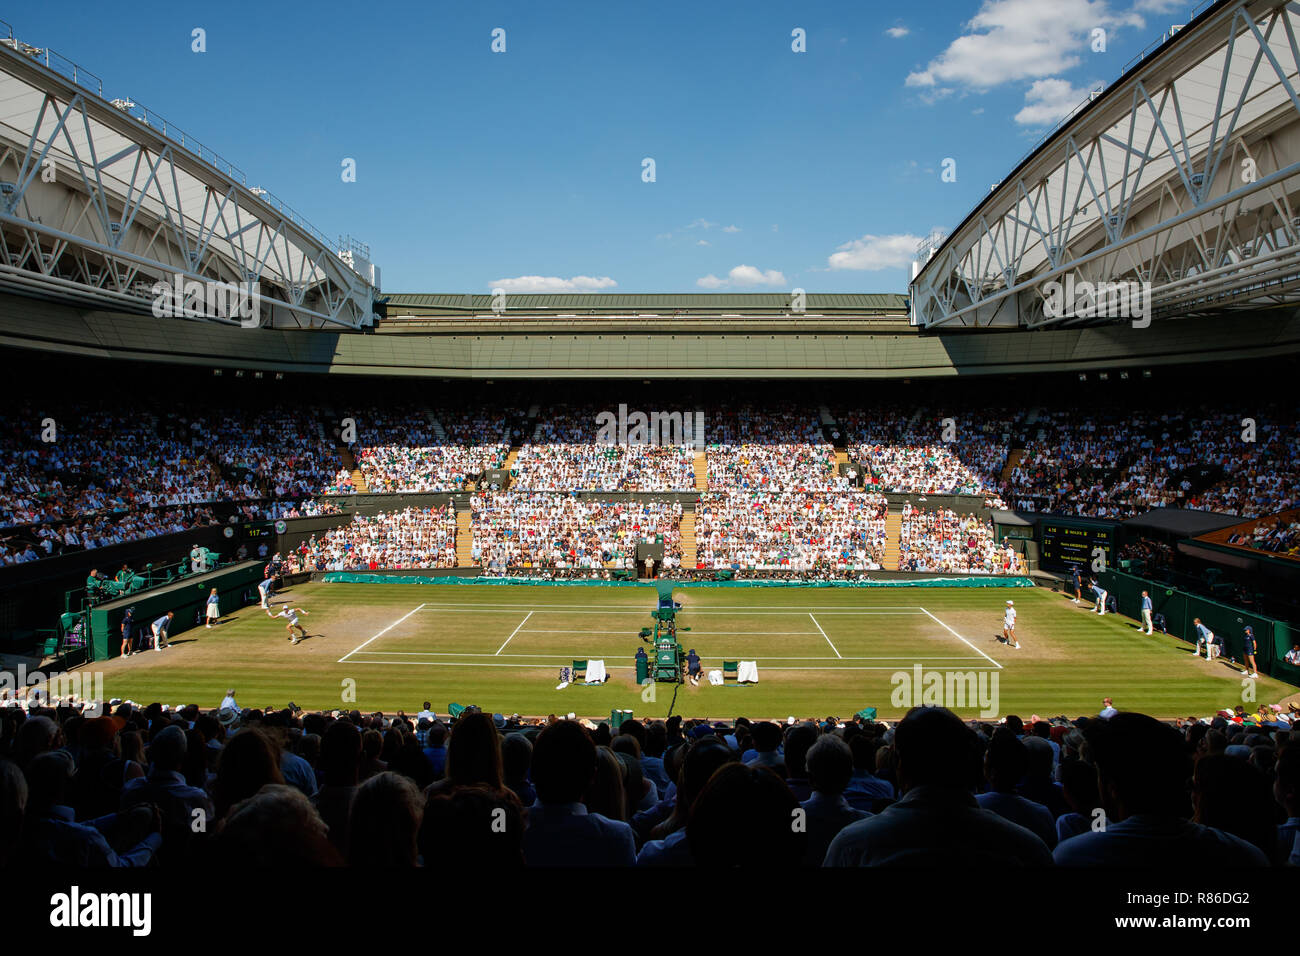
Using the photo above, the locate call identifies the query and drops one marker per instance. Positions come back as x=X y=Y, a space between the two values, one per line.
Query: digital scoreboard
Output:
x=1065 y=543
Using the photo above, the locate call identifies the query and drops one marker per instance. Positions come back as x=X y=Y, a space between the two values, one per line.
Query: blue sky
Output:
x=773 y=169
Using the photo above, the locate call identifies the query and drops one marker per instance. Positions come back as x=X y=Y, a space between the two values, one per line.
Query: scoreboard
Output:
x=1065 y=543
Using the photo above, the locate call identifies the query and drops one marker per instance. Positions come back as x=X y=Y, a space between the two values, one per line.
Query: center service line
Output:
x=513 y=633
x=828 y=640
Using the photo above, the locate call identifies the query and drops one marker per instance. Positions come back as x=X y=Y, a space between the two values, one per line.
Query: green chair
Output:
x=50 y=647
x=730 y=671
x=579 y=671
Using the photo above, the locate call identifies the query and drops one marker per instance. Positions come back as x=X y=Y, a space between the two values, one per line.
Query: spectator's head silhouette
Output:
x=472 y=827
x=474 y=752
x=564 y=762
x=932 y=747
x=385 y=820
x=1142 y=766
x=745 y=816
x=830 y=765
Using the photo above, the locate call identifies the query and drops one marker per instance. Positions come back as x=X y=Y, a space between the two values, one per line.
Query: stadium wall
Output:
x=1273 y=638
x=186 y=598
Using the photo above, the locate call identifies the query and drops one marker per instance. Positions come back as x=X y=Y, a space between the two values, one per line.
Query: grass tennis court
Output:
x=819 y=651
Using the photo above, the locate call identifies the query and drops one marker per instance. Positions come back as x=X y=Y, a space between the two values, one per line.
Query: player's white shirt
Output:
x=1010 y=619
x=290 y=613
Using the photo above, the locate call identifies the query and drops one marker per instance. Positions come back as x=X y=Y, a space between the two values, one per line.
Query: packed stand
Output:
x=810 y=532
x=537 y=530
x=941 y=540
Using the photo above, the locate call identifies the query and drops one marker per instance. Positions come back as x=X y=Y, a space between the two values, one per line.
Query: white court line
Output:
x=963 y=640
x=646 y=608
x=533 y=630
x=828 y=640
x=379 y=635
x=725 y=656
x=560 y=662
x=514 y=632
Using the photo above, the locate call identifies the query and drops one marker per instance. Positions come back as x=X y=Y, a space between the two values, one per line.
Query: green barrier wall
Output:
x=364 y=577
x=1273 y=638
x=187 y=598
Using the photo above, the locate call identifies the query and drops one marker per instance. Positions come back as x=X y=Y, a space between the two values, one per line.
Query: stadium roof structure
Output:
x=1181 y=521
x=1177 y=184
x=100 y=200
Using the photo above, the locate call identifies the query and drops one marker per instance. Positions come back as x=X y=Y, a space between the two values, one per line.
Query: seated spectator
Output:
x=1005 y=763
x=937 y=821
x=386 y=816
x=472 y=826
x=181 y=805
x=51 y=836
x=560 y=830
x=340 y=764
x=275 y=830
x=1141 y=775
x=744 y=817
x=830 y=768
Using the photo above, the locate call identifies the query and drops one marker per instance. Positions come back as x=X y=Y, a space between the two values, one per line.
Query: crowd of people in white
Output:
x=522 y=530
x=398 y=449
x=790 y=530
x=940 y=540
x=410 y=538
x=770 y=449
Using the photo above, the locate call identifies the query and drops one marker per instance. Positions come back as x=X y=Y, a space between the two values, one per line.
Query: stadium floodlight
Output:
x=1104 y=376
x=1083 y=376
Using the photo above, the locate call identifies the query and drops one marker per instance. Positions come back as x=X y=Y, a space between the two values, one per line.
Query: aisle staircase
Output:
x=350 y=463
x=1014 y=458
x=893 y=528
x=701 y=471
x=690 y=555
x=464 y=539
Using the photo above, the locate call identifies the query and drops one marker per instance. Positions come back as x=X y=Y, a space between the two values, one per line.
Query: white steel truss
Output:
x=1183 y=178
x=100 y=201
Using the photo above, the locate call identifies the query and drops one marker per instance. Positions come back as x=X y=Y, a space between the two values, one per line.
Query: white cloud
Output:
x=731 y=229
x=553 y=284
x=1010 y=40
x=703 y=242
x=897 y=32
x=872 y=253
x=743 y=275
x=1047 y=102
x=701 y=224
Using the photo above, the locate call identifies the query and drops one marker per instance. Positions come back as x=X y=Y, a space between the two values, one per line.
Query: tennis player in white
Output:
x=291 y=615
x=1009 y=625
